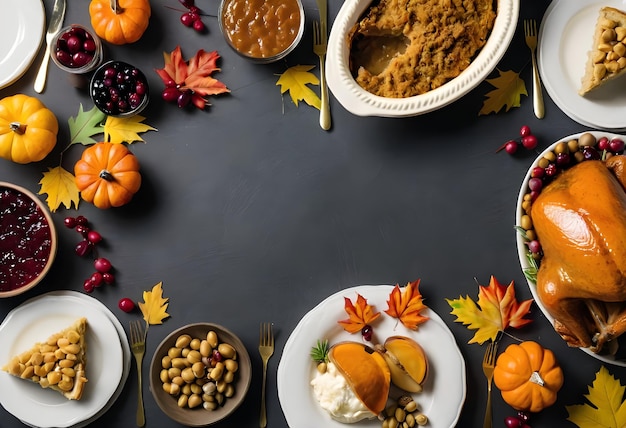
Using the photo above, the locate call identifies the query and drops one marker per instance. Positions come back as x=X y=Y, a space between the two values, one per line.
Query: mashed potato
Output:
x=336 y=397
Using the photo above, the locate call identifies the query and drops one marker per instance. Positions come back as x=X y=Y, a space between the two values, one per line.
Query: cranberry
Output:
x=529 y=142
x=94 y=237
x=126 y=304
x=510 y=147
x=83 y=248
x=616 y=145
x=102 y=265
x=96 y=279
x=70 y=222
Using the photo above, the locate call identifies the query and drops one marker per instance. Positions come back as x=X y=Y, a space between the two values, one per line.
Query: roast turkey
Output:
x=580 y=220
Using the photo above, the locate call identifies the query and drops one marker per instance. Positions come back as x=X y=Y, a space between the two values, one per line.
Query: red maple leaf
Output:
x=193 y=76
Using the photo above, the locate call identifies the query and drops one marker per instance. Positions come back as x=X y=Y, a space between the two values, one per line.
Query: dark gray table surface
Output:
x=250 y=212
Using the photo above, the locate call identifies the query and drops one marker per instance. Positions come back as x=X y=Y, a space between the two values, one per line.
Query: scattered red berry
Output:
x=83 y=248
x=126 y=304
x=102 y=265
x=96 y=279
x=367 y=332
x=82 y=229
x=510 y=147
x=527 y=139
x=88 y=285
x=94 y=237
x=108 y=278
x=70 y=222
x=87 y=245
x=192 y=18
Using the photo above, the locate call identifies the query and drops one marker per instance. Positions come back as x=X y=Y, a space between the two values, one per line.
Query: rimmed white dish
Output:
x=22 y=25
x=444 y=391
x=362 y=103
x=97 y=305
x=34 y=321
x=565 y=38
x=521 y=245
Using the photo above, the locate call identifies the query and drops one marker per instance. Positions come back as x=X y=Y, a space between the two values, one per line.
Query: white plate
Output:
x=22 y=25
x=522 y=248
x=565 y=38
x=444 y=390
x=96 y=304
x=34 y=321
x=362 y=103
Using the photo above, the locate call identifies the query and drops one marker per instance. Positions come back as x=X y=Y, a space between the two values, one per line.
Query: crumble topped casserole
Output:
x=403 y=48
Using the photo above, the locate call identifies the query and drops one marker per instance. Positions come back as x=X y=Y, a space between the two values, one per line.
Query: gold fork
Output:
x=138 y=346
x=489 y=364
x=530 y=31
x=266 y=349
x=319 y=47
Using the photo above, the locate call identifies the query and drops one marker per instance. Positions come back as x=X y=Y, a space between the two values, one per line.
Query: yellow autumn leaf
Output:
x=125 y=129
x=61 y=188
x=154 y=306
x=508 y=92
x=295 y=80
x=605 y=409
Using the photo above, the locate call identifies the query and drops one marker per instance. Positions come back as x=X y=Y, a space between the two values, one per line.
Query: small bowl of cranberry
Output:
x=28 y=240
x=119 y=89
x=76 y=49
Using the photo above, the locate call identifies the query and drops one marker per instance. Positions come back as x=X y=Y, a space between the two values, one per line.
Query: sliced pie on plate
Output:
x=58 y=363
x=607 y=58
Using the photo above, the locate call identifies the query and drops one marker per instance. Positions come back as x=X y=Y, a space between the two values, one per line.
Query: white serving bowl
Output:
x=360 y=102
x=522 y=249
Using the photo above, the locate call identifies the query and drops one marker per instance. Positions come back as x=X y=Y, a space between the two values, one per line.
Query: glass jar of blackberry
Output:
x=119 y=89
x=76 y=50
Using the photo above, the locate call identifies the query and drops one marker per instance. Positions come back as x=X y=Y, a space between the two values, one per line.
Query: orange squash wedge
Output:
x=366 y=372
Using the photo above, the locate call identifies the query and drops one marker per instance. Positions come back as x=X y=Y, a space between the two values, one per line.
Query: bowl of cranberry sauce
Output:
x=28 y=240
x=76 y=50
x=119 y=89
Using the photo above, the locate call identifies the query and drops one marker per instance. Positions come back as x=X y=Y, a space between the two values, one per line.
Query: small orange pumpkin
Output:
x=28 y=130
x=528 y=376
x=107 y=175
x=120 y=21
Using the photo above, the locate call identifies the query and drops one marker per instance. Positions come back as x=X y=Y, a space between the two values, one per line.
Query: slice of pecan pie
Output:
x=58 y=363
x=607 y=58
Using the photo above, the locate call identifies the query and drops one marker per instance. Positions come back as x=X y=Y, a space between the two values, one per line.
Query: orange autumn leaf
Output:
x=407 y=305
x=496 y=309
x=193 y=76
x=360 y=314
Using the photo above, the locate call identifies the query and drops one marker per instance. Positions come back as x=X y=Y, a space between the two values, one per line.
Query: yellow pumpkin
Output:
x=28 y=130
x=528 y=376
x=119 y=21
x=107 y=175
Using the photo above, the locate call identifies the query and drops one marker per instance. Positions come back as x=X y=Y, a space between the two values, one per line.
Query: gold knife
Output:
x=56 y=21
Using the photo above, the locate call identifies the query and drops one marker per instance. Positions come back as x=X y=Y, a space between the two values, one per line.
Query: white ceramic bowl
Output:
x=522 y=249
x=8 y=213
x=362 y=103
